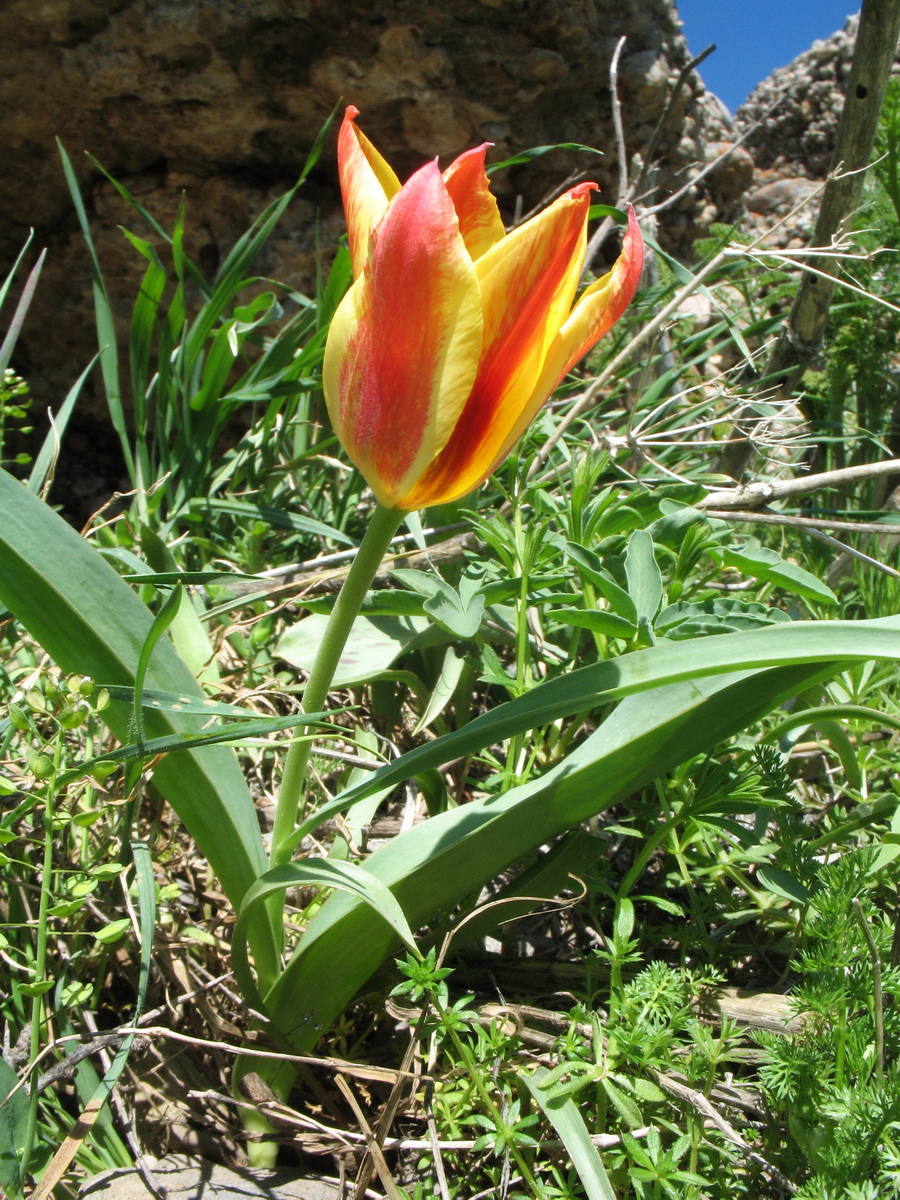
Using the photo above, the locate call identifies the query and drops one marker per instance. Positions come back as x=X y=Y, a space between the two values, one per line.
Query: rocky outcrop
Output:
x=792 y=116
x=222 y=102
x=789 y=125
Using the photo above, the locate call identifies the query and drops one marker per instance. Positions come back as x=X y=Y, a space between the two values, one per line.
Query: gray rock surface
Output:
x=184 y=1178
x=790 y=124
x=223 y=101
x=797 y=136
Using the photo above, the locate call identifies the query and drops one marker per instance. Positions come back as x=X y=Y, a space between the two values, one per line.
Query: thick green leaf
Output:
x=645 y=585
x=435 y=865
x=591 y=566
x=13 y=1129
x=443 y=691
x=814 y=643
x=597 y=620
x=784 y=885
x=318 y=872
x=90 y=622
x=459 y=612
x=373 y=645
x=767 y=565
x=722 y=614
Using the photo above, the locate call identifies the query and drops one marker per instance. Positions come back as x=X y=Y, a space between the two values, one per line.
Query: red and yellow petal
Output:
x=479 y=217
x=598 y=308
x=601 y=304
x=404 y=345
x=367 y=185
x=528 y=282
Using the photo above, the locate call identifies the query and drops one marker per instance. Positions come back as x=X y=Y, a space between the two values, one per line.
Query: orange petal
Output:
x=479 y=217
x=528 y=282
x=601 y=304
x=598 y=308
x=403 y=348
x=367 y=184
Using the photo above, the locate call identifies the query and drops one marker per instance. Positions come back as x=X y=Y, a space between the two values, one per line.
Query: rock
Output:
x=184 y=1178
x=734 y=174
x=791 y=117
x=779 y=195
x=222 y=102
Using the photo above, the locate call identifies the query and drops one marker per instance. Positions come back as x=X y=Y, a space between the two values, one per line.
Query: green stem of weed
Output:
x=659 y=834
x=40 y=971
x=877 y=992
x=382 y=527
x=484 y=1095
x=384 y=524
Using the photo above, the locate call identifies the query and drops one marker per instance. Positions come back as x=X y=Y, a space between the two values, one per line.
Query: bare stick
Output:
x=621 y=152
x=754 y=495
x=771 y=518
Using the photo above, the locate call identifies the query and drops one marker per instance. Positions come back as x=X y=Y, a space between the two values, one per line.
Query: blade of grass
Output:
x=46 y=456
x=15 y=327
x=106 y=330
x=568 y=1122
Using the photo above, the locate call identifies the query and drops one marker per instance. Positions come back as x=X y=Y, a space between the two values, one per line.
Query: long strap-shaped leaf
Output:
x=435 y=865
x=802 y=642
x=90 y=622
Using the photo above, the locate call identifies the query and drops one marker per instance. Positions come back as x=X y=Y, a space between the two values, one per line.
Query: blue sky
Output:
x=753 y=37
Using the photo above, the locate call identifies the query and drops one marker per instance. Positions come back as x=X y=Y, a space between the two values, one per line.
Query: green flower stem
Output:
x=384 y=524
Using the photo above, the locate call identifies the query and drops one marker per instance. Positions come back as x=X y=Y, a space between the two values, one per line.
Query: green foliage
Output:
x=15 y=399
x=202 y=353
x=858 y=391
x=836 y=1081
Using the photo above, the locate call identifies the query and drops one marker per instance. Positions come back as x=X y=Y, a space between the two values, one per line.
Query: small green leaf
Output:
x=645 y=1089
x=624 y=920
x=590 y=565
x=782 y=884
x=597 y=621
x=35 y=989
x=460 y=613
x=107 y=870
x=645 y=585
x=769 y=567
x=525 y=156
x=626 y=1107
x=113 y=931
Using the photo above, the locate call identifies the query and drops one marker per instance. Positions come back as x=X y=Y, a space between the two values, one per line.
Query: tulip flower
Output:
x=454 y=333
